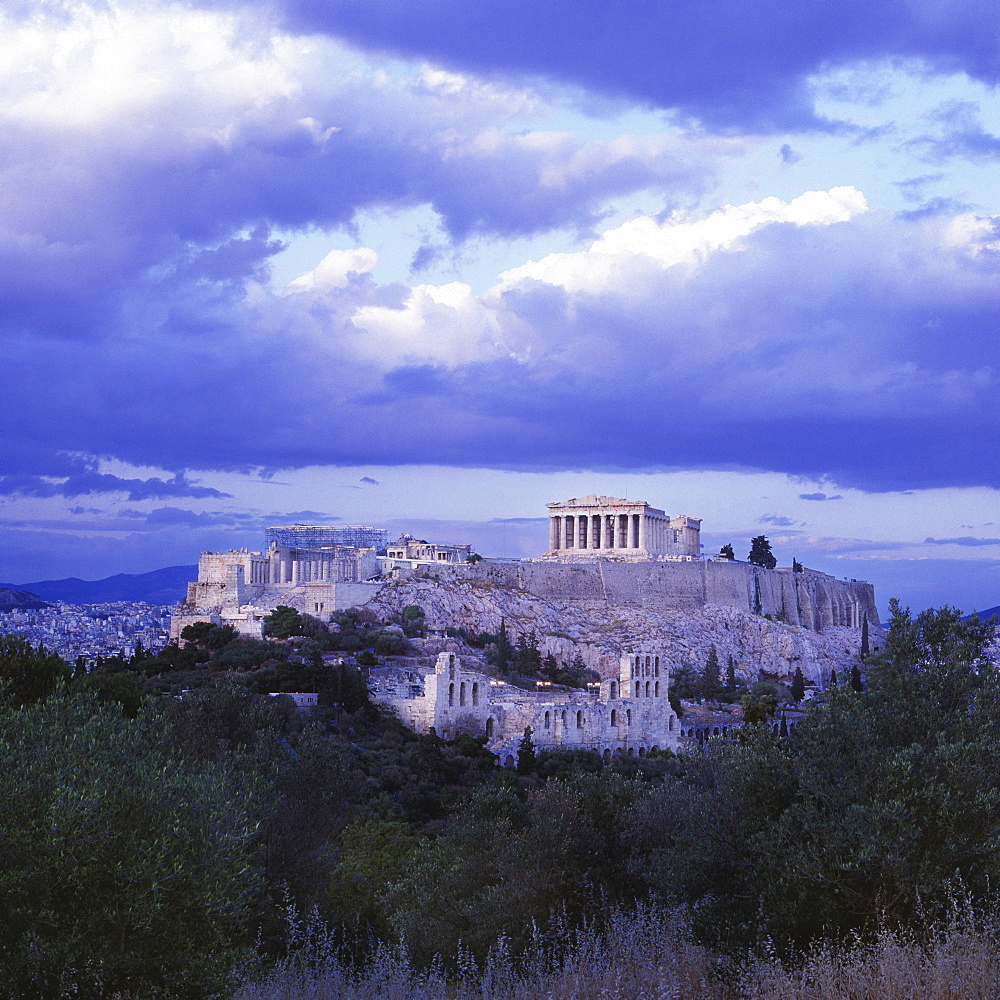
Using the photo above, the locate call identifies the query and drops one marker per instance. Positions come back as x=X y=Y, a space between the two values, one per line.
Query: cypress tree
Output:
x=710 y=675
x=526 y=753
x=864 y=637
x=856 y=683
x=798 y=685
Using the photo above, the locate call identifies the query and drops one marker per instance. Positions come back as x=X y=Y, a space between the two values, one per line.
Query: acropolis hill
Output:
x=618 y=575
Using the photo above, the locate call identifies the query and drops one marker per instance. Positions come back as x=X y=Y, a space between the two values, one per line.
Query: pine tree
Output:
x=727 y=551
x=856 y=683
x=833 y=678
x=796 y=565
x=526 y=753
x=864 y=637
x=710 y=675
x=730 y=676
x=760 y=553
x=783 y=731
x=798 y=685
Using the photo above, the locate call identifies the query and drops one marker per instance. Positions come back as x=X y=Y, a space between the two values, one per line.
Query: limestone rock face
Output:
x=601 y=633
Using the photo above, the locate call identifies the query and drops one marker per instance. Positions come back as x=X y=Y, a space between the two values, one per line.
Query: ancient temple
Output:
x=613 y=528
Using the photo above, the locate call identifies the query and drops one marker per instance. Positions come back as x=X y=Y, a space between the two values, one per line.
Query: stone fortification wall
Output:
x=812 y=599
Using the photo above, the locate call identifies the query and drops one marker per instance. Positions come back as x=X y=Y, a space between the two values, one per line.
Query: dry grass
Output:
x=647 y=955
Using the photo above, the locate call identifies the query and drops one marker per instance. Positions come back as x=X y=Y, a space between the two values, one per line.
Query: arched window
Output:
x=656 y=690
x=647 y=689
x=451 y=695
x=649 y=662
x=461 y=694
x=475 y=693
x=642 y=751
x=489 y=728
x=548 y=720
x=614 y=689
x=607 y=755
x=670 y=725
x=631 y=752
x=628 y=717
x=656 y=667
x=637 y=686
x=579 y=720
x=614 y=718
x=638 y=662
x=563 y=720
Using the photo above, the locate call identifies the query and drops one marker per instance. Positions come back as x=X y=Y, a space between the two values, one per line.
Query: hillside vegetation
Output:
x=219 y=843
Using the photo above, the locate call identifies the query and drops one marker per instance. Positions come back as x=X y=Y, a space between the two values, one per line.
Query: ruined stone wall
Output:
x=631 y=712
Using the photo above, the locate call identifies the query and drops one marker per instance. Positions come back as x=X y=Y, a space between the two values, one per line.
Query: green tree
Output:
x=414 y=620
x=526 y=753
x=796 y=566
x=710 y=679
x=28 y=675
x=730 y=677
x=727 y=552
x=127 y=866
x=503 y=648
x=856 y=682
x=760 y=553
x=283 y=622
x=758 y=707
x=798 y=685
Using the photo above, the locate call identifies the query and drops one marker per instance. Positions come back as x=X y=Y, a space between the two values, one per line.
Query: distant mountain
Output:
x=983 y=615
x=161 y=586
x=19 y=600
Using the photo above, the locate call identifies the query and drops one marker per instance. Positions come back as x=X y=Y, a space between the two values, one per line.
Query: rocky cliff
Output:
x=600 y=631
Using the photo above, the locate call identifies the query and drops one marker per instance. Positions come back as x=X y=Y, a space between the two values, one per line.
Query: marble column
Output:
x=642 y=530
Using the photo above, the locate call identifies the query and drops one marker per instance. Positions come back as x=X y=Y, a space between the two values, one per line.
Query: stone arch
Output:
x=579 y=719
x=563 y=719
x=613 y=693
x=637 y=687
x=647 y=666
x=614 y=718
x=548 y=720
x=654 y=749
x=656 y=690
x=647 y=689
x=508 y=761
x=656 y=666
x=461 y=693
x=475 y=693
x=451 y=695
x=715 y=731
x=670 y=724
x=489 y=728
x=606 y=755
x=628 y=717
x=642 y=751
x=631 y=752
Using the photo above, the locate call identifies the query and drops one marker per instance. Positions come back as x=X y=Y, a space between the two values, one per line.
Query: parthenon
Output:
x=610 y=527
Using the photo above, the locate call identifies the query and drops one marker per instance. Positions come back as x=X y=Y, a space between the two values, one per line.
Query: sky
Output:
x=431 y=265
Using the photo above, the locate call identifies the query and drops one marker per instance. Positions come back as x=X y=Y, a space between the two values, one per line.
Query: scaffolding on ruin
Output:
x=319 y=536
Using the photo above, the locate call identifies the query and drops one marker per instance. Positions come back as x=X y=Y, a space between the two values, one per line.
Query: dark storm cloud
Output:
x=88 y=483
x=732 y=63
x=875 y=368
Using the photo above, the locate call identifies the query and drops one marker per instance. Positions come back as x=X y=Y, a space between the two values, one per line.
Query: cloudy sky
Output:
x=433 y=264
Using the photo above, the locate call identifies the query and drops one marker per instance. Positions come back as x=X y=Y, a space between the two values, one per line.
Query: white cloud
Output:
x=334 y=270
x=438 y=323
x=646 y=241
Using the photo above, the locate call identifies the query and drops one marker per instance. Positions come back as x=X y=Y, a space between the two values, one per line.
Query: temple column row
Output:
x=605 y=531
